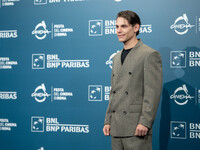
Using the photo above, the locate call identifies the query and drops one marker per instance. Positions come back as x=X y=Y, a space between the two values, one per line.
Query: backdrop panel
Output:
x=55 y=68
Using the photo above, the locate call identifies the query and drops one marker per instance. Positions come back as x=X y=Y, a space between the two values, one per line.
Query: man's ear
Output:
x=136 y=27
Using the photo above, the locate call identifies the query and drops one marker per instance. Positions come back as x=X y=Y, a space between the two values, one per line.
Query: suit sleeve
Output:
x=108 y=112
x=152 y=88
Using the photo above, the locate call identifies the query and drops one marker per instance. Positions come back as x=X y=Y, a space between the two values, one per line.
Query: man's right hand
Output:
x=106 y=130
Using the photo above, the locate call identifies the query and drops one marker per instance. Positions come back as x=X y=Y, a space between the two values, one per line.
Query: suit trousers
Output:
x=132 y=143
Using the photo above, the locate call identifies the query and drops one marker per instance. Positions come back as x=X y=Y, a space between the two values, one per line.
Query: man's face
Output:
x=125 y=31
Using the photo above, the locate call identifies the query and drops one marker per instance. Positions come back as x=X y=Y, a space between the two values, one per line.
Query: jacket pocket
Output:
x=135 y=108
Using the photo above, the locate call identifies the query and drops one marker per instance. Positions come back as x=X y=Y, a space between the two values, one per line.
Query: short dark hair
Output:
x=131 y=17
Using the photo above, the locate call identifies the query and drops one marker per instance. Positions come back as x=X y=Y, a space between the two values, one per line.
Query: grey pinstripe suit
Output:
x=135 y=91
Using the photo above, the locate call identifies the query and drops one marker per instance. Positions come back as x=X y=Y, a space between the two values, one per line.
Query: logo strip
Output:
x=7 y=92
x=196 y=96
x=65 y=60
x=8 y=31
x=51 y=93
x=72 y=125
x=196 y=24
x=52 y=31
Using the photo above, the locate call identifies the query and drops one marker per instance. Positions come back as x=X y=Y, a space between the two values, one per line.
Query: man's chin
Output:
x=121 y=40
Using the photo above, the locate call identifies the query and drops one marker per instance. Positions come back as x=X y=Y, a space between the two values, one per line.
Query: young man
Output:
x=136 y=86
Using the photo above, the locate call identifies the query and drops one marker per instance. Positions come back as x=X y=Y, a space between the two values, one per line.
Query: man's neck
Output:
x=131 y=43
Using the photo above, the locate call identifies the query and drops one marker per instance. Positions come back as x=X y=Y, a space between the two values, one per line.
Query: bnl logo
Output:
x=38 y=61
x=95 y=27
x=37 y=124
x=178 y=130
x=95 y=92
x=178 y=59
x=40 y=2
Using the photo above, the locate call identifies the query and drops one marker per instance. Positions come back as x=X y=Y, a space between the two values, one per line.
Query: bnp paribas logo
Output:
x=38 y=61
x=95 y=27
x=178 y=130
x=37 y=124
x=178 y=59
x=95 y=92
x=40 y=2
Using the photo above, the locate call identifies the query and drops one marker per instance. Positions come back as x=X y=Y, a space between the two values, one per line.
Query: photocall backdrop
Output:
x=55 y=68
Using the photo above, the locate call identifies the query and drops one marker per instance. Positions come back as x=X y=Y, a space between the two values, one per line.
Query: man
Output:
x=136 y=85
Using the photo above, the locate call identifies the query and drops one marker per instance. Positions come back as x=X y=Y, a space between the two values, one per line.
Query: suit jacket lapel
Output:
x=118 y=64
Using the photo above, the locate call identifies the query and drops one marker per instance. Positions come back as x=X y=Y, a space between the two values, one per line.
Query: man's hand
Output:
x=141 y=130
x=106 y=130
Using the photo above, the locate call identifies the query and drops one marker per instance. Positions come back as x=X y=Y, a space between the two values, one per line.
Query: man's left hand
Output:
x=141 y=130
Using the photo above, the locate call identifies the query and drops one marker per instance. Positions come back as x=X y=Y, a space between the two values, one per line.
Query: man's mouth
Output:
x=120 y=36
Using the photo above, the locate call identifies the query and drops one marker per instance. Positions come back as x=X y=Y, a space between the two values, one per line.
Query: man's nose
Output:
x=118 y=30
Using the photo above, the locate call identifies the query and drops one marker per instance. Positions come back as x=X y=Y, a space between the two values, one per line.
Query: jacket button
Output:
x=113 y=75
x=113 y=111
x=126 y=93
x=114 y=92
x=130 y=73
x=125 y=112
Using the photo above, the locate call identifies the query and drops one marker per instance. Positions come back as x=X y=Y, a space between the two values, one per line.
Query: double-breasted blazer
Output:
x=135 y=90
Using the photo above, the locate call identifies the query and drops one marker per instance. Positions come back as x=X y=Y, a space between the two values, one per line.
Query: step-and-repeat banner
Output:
x=55 y=69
